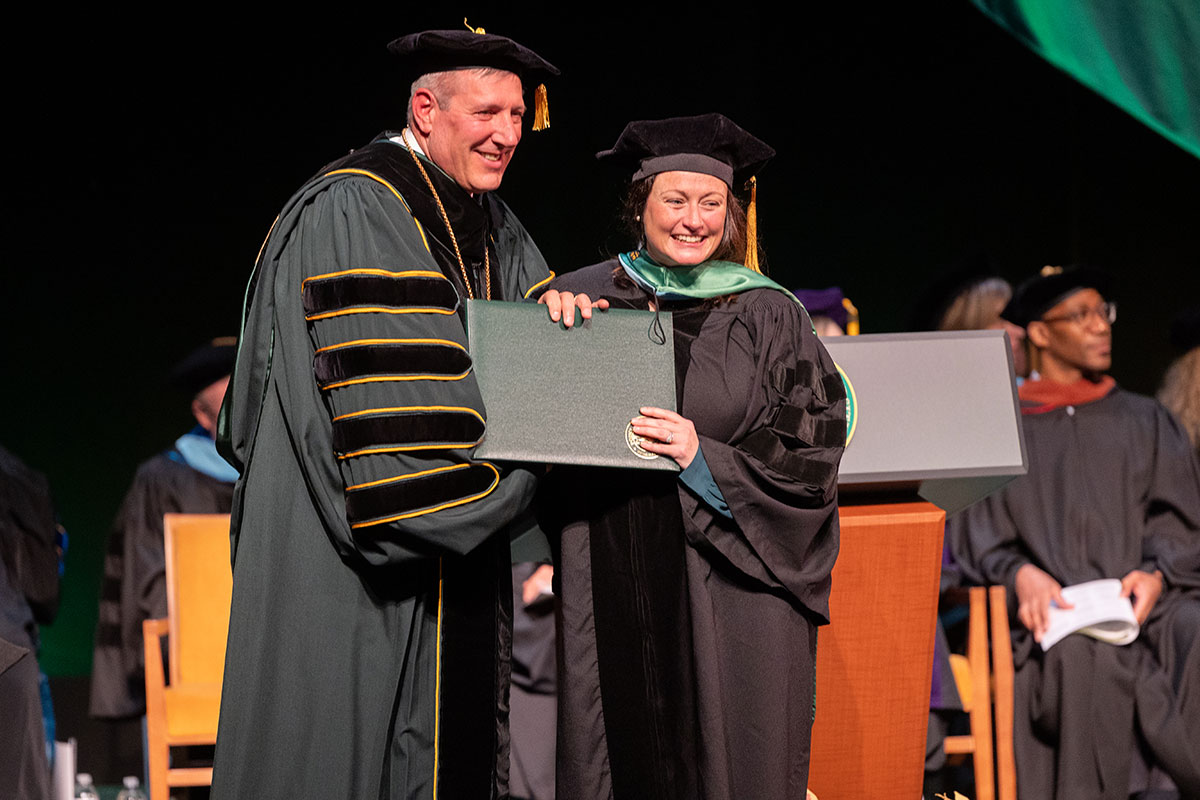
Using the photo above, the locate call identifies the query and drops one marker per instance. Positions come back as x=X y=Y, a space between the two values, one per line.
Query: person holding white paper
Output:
x=1112 y=492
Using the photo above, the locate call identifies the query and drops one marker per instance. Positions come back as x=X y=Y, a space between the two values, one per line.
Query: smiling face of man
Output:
x=471 y=128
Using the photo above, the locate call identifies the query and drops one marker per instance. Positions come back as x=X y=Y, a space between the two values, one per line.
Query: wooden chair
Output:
x=985 y=689
x=199 y=586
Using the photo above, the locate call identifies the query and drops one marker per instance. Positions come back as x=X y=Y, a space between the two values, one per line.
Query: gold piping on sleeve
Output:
x=370 y=451
x=387 y=378
x=540 y=283
x=378 y=310
x=263 y=246
x=460 y=502
x=409 y=476
x=364 y=342
x=407 y=273
x=395 y=409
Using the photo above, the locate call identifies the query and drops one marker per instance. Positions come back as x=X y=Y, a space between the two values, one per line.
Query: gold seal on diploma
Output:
x=635 y=443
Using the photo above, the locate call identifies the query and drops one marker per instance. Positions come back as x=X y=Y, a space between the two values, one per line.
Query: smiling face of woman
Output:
x=684 y=217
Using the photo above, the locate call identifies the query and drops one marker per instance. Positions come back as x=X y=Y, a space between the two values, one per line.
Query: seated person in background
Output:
x=1180 y=391
x=1112 y=492
x=190 y=478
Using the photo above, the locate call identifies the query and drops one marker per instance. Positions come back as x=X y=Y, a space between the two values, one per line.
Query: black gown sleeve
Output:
x=778 y=471
x=985 y=543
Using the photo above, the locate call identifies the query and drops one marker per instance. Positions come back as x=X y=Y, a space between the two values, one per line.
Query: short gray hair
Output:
x=443 y=85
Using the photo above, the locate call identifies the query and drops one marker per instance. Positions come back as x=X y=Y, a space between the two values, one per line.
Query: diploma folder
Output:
x=563 y=395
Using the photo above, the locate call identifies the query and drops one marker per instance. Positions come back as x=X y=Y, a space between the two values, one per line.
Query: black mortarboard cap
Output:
x=709 y=143
x=441 y=51
x=1051 y=286
x=205 y=365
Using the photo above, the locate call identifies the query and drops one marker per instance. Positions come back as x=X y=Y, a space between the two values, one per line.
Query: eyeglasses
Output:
x=1105 y=311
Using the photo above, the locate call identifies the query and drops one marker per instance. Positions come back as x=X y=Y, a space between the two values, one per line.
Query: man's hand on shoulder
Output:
x=1035 y=590
x=1144 y=589
x=563 y=304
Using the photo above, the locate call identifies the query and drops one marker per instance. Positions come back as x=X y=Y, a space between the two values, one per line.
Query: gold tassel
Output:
x=541 y=108
x=752 y=228
x=851 y=317
x=541 y=103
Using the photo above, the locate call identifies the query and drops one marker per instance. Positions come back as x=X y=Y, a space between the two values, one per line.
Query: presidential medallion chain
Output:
x=487 y=267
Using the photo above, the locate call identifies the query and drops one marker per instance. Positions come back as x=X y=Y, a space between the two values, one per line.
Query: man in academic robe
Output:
x=1112 y=491
x=189 y=477
x=371 y=617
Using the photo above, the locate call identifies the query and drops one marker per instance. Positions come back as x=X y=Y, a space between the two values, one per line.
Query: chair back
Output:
x=199 y=589
x=986 y=689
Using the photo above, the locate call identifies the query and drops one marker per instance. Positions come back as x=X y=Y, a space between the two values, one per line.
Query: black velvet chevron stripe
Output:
x=357 y=361
x=786 y=378
x=833 y=386
x=406 y=428
x=414 y=494
x=799 y=423
x=804 y=465
x=347 y=291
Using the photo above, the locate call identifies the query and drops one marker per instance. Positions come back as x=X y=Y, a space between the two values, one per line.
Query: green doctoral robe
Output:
x=371 y=618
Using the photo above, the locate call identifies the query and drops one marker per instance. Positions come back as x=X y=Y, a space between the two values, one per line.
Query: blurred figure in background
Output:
x=970 y=298
x=1180 y=391
x=29 y=594
x=189 y=477
x=831 y=311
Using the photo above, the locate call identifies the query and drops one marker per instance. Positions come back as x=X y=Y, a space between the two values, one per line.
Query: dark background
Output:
x=150 y=165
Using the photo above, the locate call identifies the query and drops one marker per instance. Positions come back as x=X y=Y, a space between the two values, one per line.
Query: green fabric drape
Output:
x=1143 y=56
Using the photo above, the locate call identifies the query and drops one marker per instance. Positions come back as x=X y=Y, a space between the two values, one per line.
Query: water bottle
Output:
x=132 y=790
x=84 y=789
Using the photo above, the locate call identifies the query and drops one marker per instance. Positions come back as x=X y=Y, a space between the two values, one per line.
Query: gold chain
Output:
x=487 y=266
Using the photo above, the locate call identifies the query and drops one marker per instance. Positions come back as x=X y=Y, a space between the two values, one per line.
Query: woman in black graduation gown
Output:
x=690 y=602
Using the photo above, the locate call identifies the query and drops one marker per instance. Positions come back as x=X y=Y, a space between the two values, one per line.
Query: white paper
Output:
x=1099 y=611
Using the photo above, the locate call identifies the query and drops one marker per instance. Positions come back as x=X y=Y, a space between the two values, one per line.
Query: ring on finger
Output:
x=670 y=437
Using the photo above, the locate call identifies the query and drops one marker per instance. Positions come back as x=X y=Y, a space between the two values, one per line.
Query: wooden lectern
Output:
x=934 y=427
